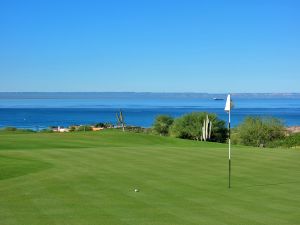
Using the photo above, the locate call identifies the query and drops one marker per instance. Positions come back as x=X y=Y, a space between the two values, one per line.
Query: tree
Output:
x=189 y=126
x=104 y=125
x=101 y=125
x=257 y=131
x=162 y=124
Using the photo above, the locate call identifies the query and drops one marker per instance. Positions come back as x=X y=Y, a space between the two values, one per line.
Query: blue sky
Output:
x=150 y=45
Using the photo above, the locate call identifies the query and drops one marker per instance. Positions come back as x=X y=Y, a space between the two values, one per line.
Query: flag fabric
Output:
x=228 y=105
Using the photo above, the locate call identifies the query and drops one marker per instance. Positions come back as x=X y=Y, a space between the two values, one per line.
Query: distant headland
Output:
x=95 y=95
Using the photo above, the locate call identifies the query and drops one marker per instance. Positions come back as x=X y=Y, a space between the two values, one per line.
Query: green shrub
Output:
x=84 y=128
x=135 y=129
x=103 y=125
x=72 y=128
x=9 y=129
x=46 y=131
x=162 y=124
x=16 y=130
x=290 y=141
x=257 y=131
x=189 y=126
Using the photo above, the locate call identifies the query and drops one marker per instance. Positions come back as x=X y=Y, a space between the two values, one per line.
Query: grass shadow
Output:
x=11 y=167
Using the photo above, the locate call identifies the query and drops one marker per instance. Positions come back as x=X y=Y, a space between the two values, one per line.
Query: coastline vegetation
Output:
x=253 y=131
x=192 y=126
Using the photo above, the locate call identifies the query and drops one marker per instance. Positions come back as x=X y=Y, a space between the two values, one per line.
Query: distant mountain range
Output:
x=95 y=95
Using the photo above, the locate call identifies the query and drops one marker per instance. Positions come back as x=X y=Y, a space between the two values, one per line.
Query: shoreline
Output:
x=288 y=129
x=293 y=129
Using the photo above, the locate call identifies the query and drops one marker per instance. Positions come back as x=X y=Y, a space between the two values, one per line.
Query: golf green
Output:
x=90 y=178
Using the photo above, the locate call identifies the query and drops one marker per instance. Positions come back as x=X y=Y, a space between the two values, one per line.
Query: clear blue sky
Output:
x=150 y=45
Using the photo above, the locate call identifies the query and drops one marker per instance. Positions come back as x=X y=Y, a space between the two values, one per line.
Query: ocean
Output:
x=41 y=110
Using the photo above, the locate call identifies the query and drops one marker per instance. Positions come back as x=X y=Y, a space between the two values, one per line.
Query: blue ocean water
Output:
x=38 y=113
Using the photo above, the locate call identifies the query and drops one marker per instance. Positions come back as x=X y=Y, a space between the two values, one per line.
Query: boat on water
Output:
x=218 y=99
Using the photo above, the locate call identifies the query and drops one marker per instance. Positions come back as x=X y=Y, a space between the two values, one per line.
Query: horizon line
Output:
x=149 y=92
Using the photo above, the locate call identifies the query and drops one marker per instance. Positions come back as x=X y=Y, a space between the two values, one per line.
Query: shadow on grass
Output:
x=269 y=184
x=11 y=167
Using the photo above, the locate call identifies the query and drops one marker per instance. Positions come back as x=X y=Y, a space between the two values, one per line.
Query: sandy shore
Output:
x=293 y=129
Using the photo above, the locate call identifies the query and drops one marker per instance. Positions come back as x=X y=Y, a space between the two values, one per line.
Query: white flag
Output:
x=228 y=105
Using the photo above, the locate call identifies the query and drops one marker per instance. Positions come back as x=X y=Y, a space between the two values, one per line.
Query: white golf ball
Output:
x=136 y=190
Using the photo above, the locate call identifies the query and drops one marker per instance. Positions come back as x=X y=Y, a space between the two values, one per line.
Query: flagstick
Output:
x=229 y=153
x=228 y=107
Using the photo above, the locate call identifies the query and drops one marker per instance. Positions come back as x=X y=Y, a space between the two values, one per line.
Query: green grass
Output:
x=88 y=178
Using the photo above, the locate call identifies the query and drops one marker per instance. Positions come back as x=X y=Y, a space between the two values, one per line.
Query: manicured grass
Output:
x=89 y=178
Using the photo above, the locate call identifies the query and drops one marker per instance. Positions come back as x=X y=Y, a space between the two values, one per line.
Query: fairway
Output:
x=89 y=178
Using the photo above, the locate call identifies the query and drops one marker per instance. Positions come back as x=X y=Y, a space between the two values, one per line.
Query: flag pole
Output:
x=228 y=107
x=229 y=152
